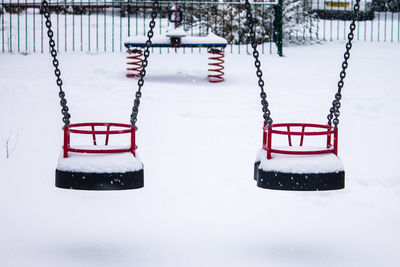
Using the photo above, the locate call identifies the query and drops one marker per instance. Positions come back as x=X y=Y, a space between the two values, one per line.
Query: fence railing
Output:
x=103 y=26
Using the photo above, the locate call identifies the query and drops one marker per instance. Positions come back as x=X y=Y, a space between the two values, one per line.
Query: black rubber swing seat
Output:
x=298 y=181
x=99 y=181
x=99 y=167
x=299 y=168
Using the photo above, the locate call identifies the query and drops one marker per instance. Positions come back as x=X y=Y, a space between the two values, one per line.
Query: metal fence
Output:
x=99 y=26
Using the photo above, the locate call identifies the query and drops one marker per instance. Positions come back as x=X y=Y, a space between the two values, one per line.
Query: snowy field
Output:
x=198 y=141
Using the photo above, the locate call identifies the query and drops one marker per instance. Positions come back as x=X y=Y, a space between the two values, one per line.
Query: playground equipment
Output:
x=99 y=167
x=176 y=37
x=304 y=169
x=300 y=168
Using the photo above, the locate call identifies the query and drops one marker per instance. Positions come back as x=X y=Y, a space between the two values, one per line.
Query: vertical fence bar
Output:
x=168 y=5
x=379 y=25
x=215 y=20
x=129 y=18
x=255 y=29
x=240 y=29
x=2 y=29
x=304 y=20
x=89 y=27
x=26 y=26
x=263 y=27
x=73 y=25
x=384 y=33
x=97 y=25
x=191 y=19
x=65 y=28
x=144 y=20
x=200 y=8
x=81 y=25
x=324 y=22
x=231 y=27
x=105 y=28
x=58 y=25
x=41 y=34
x=331 y=27
x=120 y=28
x=278 y=27
x=161 y=25
x=358 y=24
x=372 y=30
x=137 y=18
x=34 y=27
x=18 y=24
x=344 y=28
x=272 y=36
x=337 y=30
x=365 y=30
x=10 y=42
x=391 y=29
x=112 y=29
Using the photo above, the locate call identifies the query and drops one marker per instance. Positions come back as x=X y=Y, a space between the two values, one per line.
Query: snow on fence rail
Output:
x=102 y=26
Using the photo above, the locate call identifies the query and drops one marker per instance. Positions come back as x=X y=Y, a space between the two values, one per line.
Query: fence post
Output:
x=278 y=30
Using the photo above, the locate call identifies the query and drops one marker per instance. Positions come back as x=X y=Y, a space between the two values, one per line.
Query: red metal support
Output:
x=133 y=141
x=264 y=136
x=107 y=135
x=72 y=128
x=335 y=141
x=302 y=136
x=327 y=130
x=66 y=141
x=269 y=142
x=94 y=136
x=329 y=139
x=289 y=136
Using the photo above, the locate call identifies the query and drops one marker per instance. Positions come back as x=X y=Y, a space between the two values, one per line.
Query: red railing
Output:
x=327 y=130
x=74 y=128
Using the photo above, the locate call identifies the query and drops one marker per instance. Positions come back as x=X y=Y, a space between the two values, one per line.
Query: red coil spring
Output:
x=134 y=62
x=216 y=73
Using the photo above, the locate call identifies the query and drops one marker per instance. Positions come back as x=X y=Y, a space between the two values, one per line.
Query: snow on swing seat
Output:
x=99 y=162
x=320 y=163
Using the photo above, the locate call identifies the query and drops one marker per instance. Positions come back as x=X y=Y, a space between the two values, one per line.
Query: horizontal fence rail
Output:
x=103 y=26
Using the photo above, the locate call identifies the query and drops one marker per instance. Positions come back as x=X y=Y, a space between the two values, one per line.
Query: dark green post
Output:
x=278 y=27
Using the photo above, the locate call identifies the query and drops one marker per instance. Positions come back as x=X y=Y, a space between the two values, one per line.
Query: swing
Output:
x=300 y=168
x=99 y=167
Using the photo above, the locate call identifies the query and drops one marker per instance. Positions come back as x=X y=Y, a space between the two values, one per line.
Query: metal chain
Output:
x=257 y=63
x=334 y=111
x=146 y=53
x=57 y=72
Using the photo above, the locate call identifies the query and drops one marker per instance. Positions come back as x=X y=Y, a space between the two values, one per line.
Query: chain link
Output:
x=57 y=72
x=146 y=53
x=334 y=112
x=257 y=63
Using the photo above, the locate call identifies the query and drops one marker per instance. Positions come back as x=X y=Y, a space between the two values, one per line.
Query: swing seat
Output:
x=99 y=167
x=299 y=168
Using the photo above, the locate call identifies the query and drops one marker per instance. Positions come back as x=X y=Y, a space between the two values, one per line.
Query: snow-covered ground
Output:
x=198 y=141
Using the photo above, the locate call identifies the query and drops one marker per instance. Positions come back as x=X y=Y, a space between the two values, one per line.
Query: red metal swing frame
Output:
x=74 y=128
x=327 y=130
